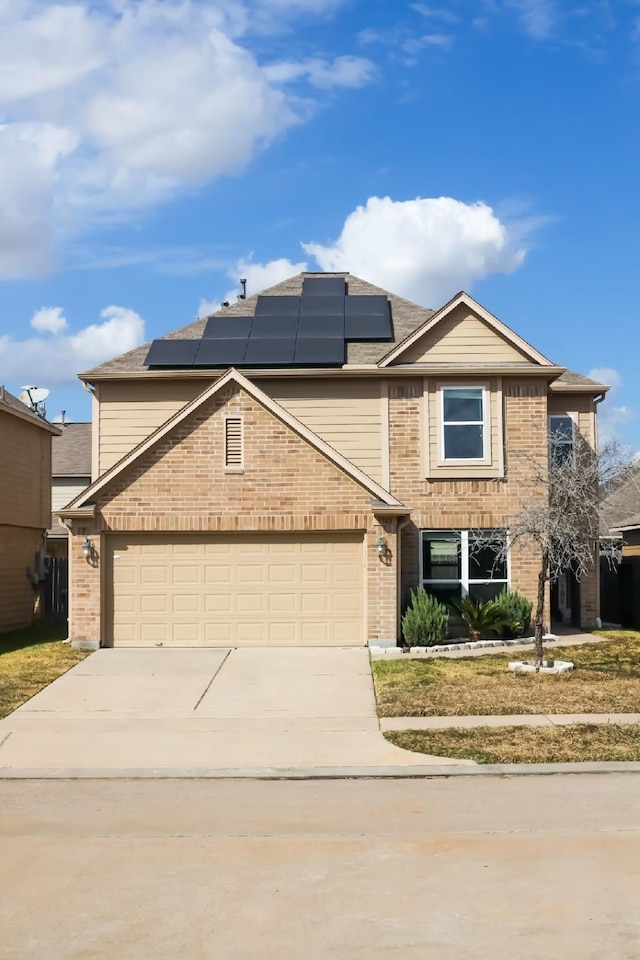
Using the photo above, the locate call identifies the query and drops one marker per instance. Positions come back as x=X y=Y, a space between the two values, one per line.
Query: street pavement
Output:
x=484 y=868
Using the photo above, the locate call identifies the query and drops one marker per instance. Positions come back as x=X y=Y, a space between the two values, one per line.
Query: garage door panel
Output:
x=233 y=590
x=153 y=603
x=185 y=603
x=279 y=572
x=158 y=573
x=242 y=603
x=218 y=633
x=220 y=574
x=217 y=603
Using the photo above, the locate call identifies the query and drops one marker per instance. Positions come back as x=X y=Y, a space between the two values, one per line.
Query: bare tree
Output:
x=560 y=512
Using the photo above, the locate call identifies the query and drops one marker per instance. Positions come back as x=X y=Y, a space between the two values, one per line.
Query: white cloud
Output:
x=345 y=71
x=108 y=107
x=259 y=277
x=612 y=416
x=57 y=358
x=538 y=18
x=424 y=249
x=49 y=320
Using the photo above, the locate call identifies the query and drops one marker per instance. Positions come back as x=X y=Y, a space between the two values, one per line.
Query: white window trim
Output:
x=485 y=423
x=465 y=581
x=574 y=427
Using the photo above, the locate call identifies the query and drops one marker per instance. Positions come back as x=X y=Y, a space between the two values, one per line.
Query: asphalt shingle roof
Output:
x=71 y=451
x=407 y=317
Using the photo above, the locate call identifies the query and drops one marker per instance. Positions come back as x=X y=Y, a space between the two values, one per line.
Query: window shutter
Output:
x=233 y=442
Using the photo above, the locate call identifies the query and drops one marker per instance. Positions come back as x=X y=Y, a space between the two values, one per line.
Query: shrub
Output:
x=425 y=621
x=479 y=618
x=518 y=611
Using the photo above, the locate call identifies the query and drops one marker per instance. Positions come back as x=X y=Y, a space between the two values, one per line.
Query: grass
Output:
x=30 y=660
x=580 y=741
x=606 y=679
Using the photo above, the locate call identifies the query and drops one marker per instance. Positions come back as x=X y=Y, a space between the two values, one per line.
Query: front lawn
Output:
x=30 y=660
x=606 y=679
x=570 y=744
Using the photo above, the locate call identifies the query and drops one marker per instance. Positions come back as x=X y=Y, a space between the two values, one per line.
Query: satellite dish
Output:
x=34 y=397
x=35 y=394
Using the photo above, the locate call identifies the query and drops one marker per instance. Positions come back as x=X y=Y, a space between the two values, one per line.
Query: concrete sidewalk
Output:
x=511 y=720
x=157 y=712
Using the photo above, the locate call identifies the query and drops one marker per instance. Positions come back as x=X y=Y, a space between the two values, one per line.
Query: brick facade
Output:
x=182 y=485
x=285 y=484
x=469 y=504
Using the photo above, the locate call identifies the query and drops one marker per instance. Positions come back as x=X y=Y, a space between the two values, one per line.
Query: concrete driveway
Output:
x=162 y=712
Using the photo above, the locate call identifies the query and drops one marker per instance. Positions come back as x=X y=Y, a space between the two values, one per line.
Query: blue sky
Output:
x=151 y=153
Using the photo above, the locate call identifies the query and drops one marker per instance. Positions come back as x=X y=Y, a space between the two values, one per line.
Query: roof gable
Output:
x=463 y=332
x=233 y=376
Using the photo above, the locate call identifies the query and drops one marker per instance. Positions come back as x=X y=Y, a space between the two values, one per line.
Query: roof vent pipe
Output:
x=243 y=284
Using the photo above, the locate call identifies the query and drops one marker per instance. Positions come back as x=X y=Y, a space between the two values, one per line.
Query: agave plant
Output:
x=479 y=617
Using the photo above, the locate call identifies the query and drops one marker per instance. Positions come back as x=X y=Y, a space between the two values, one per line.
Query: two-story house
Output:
x=287 y=469
x=25 y=509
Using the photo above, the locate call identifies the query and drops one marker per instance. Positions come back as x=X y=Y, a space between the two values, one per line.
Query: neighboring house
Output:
x=288 y=469
x=25 y=509
x=627 y=575
x=70 y=474
x=620 y=557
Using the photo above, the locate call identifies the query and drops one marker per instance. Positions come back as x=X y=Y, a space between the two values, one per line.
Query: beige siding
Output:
x=435 y=466
x=462 y=337
x=64 y=491
x=580 y=407
x=129 y=412
x=18 y=598
x=344 y=413
x=25 y=473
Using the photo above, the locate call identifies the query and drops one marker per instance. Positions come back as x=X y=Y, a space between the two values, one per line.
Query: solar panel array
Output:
x=308 y=330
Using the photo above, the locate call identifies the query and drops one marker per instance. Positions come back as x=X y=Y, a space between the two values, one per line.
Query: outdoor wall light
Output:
x=87 y=548
x=381 y=546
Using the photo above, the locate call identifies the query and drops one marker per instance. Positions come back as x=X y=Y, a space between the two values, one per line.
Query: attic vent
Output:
x=233 y=442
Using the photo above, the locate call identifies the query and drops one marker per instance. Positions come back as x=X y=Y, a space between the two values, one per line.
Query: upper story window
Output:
x=561 y=438
x=463 y=423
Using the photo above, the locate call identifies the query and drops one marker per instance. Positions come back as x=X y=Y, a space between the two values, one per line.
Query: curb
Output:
x=328 y=773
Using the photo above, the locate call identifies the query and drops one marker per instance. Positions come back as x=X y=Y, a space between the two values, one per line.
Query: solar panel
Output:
x=322 y=306
x=366 y=306
x=324 y=287
x=172 y=353
x=225 y=327
x=368 y=328
x=320 y=351
x=266 y=328
x=321 y=326
x=274 y=352
x=221 y=353
x=277 y=306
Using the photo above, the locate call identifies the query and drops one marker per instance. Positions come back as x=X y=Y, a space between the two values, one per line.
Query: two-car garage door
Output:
x=237 y=589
